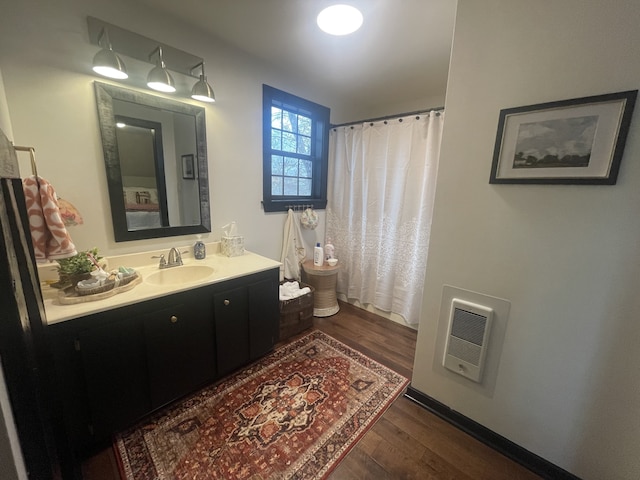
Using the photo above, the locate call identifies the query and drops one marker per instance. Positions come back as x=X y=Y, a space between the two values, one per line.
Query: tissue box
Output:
x=232 y=246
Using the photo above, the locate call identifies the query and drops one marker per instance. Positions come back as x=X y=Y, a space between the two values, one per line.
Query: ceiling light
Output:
x=340 y=19
x=202 y=90
x=159 y=78
x=106 y=62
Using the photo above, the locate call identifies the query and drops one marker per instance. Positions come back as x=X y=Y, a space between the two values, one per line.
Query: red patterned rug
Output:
x=293 y=414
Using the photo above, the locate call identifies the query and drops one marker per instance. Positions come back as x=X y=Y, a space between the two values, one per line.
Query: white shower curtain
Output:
x=380 y=202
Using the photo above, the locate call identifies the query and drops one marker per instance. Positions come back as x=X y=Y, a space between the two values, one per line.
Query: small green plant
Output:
x=77 y=264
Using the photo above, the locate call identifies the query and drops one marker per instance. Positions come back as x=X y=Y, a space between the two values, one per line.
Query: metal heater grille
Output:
x=467 y=338
x=468 y=326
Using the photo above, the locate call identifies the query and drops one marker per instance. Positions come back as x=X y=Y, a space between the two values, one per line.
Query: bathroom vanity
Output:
x=122 y=358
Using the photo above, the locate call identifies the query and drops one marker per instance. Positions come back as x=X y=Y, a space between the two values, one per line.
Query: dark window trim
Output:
x=320 y=150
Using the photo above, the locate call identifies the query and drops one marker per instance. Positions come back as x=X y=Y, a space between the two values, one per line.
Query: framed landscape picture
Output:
x=577 y=141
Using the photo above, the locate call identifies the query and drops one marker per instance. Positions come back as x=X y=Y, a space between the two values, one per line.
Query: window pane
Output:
x=305 y=187
x=304 y=125
x=276 y=118
x=290 y=186
x=304 y=145
x=290 y=167
x=289 y=121
x=277 y=163
x=288 y=142
x=276 y=140
x=306 y=168
x=276 y=185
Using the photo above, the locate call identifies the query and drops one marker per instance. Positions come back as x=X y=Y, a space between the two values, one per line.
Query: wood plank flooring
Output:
x=407 y=442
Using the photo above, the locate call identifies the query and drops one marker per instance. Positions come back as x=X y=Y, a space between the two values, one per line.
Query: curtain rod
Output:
x=388 y=117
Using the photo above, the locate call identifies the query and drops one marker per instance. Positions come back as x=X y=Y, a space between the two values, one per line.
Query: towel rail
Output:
x=298 y=207
x=32 y=153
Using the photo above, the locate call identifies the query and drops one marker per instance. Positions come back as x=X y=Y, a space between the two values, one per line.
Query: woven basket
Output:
x=128 y=279
x=296 y=314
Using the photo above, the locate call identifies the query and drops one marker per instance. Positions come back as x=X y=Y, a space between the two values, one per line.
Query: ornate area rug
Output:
x=293 y=414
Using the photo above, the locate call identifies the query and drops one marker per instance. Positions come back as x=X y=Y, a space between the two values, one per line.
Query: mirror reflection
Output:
x=155 y=158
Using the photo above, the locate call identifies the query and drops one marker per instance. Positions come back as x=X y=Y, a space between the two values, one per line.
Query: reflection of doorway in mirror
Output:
x=141 y=164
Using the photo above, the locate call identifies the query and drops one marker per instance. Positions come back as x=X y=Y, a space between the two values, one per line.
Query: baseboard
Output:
x=531 y=461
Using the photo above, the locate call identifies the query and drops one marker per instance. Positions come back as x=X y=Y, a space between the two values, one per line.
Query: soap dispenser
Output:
x=199 y=249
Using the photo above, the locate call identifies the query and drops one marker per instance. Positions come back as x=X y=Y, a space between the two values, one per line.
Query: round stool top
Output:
x=325 y=269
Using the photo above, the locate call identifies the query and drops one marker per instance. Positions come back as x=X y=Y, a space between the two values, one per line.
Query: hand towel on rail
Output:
x=50 y=238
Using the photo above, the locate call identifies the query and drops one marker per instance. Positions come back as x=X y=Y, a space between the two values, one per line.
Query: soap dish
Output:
x=88 y=287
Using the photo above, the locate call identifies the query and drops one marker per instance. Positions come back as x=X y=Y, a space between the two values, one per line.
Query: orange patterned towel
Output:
x=50 y=238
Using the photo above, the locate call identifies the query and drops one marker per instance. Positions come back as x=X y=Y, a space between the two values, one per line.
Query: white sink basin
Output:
x=179 y=275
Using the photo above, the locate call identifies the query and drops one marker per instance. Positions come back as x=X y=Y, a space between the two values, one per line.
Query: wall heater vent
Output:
x=467 y=337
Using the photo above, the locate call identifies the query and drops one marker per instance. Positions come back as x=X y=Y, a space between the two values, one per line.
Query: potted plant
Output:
x=73 y=269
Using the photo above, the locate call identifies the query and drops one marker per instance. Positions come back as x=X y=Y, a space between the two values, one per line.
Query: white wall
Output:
x=566 y=257
x=45 y=56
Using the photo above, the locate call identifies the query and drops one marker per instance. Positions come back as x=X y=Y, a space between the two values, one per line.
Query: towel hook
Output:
x=32 y=154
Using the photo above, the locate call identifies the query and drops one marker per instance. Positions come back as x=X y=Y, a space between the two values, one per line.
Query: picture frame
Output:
x=188 y=167
x=576 y=141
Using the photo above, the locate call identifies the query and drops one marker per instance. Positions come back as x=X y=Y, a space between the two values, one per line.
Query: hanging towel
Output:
x=50 y=238
x=293 y=250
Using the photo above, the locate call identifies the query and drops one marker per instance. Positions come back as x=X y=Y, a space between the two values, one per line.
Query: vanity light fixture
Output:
x=159 y=78
x=340 y=19
x=202 y=90
x=112 y=38
x=106 y=62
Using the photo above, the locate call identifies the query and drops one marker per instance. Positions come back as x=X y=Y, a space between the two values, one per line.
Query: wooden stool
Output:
x=323 y=279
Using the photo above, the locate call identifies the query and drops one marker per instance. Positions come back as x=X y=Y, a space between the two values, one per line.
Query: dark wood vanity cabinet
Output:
x=179 y=345
x=246 y=320
x=232 y=325
x=116 y=366
x=113 y=369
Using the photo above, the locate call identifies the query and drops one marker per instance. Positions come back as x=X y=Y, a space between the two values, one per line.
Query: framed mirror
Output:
x=155 y=153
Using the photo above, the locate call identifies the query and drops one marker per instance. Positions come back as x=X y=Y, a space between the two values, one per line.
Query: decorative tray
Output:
x=70 y=296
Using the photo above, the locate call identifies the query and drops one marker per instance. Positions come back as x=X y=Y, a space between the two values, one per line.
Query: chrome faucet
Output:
x=175 y=259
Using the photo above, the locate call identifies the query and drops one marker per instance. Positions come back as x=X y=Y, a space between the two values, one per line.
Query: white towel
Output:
x=293 y=249
x=289 y=290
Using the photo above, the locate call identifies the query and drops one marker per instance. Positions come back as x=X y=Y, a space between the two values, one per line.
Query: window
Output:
x=295 y=145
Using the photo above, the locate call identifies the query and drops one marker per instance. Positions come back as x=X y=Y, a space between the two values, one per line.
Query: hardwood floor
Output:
x=407 y=442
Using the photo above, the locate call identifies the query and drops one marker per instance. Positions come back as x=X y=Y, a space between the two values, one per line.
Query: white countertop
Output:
x=224 y=268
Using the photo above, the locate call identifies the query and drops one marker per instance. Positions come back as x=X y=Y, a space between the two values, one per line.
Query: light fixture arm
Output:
x=199 y=65
x=104 y=35
x=158 y=50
